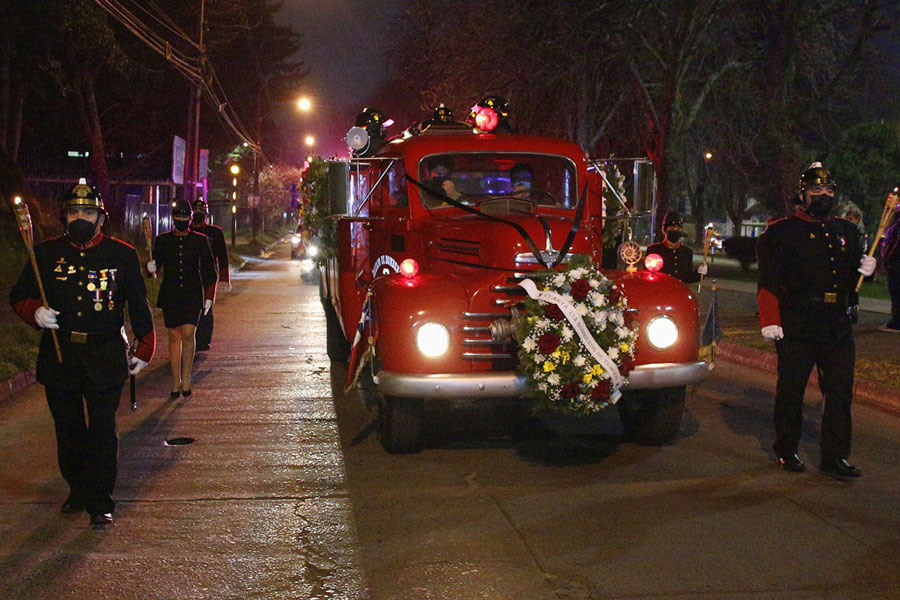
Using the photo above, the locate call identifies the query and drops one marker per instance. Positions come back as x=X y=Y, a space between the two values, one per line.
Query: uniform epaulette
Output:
x=118 y=241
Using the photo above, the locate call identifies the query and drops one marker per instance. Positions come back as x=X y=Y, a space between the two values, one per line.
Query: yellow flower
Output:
x=587 y=378
x=565 y=357
x=549 y=366
x=556 y=353
x=597 y=370
x=624 y=347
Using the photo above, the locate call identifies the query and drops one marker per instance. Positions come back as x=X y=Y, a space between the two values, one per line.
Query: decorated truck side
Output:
x=467 y=267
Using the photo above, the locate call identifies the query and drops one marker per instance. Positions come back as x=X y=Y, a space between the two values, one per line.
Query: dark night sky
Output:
x=345 y=43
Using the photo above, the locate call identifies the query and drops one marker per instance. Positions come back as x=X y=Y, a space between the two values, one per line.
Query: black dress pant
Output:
x=204 y=330
x=87 y=449
x=835 y=360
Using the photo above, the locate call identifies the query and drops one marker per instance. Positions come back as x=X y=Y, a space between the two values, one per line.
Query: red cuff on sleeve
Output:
x=769 y=308
x=225 y=275
x=146 y=347
x=210 y=292
x=26 y=309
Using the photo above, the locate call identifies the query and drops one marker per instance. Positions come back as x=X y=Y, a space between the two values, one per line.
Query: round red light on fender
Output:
x=653 y=262
x=409 y=267
x=486 y=119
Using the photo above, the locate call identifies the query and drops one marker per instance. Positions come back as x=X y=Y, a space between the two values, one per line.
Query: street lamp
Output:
x=310 y=140
x=304 y=104
x=233 y=223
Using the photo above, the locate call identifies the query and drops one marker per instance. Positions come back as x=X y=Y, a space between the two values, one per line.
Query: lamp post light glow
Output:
x=304 y=104
x=235 y=169
x=233 y=223
x=310 y=140
x=707 y=156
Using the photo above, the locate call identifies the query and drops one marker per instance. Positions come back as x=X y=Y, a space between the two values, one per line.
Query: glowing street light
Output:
x=707 y=156
x=235 y=169
x=310 y=140
x=304 y=104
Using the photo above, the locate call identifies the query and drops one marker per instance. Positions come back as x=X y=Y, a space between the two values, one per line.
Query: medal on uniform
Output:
x=98 y=300
x=103 y=278
x=92 y=278
x=112 y=280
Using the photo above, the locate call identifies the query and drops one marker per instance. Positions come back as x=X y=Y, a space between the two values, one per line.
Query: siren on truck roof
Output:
x=490 y=113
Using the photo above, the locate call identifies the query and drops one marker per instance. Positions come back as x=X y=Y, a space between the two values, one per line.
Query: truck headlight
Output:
x=662 y=332
x=295 y=239
x=433 y=339
x=312 y=250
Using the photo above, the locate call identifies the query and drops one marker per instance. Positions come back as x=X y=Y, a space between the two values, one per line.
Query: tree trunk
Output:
x=94 y=133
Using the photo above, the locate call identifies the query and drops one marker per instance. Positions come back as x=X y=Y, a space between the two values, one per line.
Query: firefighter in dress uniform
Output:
x=678 y=259
x=188 y=289
x=808 y=267
x=220 y=253
x=89 y=278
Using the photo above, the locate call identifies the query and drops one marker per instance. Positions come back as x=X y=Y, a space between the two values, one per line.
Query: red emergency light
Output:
x=409 y=267
x=653 y=262
x=486 y=119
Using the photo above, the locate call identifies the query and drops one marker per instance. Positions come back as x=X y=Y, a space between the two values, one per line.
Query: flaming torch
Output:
x=890 y=205
x=145 y=225
x=24 y=219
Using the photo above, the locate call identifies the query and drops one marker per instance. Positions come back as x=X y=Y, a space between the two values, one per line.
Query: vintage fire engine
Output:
x=437 y=226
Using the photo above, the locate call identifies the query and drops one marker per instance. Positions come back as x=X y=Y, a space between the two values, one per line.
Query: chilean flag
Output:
x=363 y=348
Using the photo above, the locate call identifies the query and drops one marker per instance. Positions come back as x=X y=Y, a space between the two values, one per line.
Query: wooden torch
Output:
x=24 y=219
x=145 y=225
x=890 y=205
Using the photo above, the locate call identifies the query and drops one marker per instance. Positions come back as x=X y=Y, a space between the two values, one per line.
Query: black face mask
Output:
x=820 y=205
x=81 y=231
x=673 y=235
x=198 y=219
x=182 y=224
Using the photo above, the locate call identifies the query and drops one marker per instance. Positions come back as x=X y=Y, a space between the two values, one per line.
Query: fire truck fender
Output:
x=402 y=305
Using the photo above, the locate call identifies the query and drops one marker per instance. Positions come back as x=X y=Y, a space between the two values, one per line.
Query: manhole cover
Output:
x=179 y=441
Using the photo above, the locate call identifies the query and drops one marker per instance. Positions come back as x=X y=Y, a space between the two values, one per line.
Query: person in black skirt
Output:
x=188 y=289
x=220 y=252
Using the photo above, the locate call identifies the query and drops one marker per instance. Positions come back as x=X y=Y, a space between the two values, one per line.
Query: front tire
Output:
x=400 y=424
x=652 y=417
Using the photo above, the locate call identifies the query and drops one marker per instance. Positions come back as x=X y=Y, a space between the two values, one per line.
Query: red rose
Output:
x=602 y=392
x=580 y=289
x=615 y=295
x=627 y=364
x=570 y=390
x=548 y=343
x=553 y=311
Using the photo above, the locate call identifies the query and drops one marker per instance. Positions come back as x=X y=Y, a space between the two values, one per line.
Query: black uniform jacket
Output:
x=807 y=276
x=89 y=285
x=218 y=246
x=677 y=262
x=189 y=271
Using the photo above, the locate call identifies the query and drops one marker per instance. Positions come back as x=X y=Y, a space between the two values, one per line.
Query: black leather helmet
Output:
x=672 y=219
x=200 y=206
x=815 y=174
x=181 y=208
x=83 y=195
x=372 y=120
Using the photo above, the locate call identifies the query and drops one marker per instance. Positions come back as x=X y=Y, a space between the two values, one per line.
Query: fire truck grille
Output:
x=478 y=343
x=458 y=246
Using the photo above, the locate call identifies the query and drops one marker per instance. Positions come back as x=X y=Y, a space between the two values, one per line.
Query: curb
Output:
x=880 y=395
x=16 y=383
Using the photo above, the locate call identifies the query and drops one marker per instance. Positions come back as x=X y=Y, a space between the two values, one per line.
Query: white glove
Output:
x=702 y=269
x=135 y=365
x=46 y=318
x=207 y=304
x=228 y=289
x=772 y=332
x=867 y=265
x=151 y=266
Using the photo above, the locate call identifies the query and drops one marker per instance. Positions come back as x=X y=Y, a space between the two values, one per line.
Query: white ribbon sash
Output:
x=583 y=332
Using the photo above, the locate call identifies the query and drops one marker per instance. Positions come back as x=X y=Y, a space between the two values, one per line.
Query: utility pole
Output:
x=192 y=152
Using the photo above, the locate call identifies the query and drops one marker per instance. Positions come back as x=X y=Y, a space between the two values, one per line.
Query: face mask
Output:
x=81 y=230
x=182 y=224
x=820 y=205
x=199 y=218
x=525 y=185
x=673 y=234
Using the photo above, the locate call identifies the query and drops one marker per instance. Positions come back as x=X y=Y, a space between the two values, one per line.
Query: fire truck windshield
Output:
x=479 y=177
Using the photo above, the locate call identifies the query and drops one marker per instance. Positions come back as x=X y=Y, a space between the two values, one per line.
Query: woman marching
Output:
x=188 y=289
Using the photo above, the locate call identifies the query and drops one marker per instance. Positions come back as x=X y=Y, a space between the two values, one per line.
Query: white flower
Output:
x=568 y=298
x=553 y=379
x=619 y=320
x=542 y=324
x=567 y=334
x=576 y=274
x=622 y=332
x=597 y=298
x=579 y=361
x=613 y=353
x=543 y=387
x=559 y=280
x=594 y=283
x=581 y=309
x=529 y=345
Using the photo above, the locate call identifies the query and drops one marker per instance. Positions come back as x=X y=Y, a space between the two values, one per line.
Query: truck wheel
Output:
x=336 y=345
x=652 y=417
x=400 y=424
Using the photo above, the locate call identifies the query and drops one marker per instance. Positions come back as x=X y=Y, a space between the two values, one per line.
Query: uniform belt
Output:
x=81 y=337
x=829 y=298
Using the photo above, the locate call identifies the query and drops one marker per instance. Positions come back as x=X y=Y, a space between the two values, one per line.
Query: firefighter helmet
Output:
x=672 y=219
x=442 y=114
x=181 y=208
x=372 y=120
x=200 y=206
x=83 y=195
x=815 y=174
x=496 y=103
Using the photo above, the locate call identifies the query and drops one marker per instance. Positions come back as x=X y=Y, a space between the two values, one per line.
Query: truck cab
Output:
x=436 y=228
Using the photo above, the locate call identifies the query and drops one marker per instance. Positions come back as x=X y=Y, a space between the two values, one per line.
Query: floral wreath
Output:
x=560 y=342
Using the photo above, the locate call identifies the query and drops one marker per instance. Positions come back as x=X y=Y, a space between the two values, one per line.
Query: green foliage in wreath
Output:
x=315 y=210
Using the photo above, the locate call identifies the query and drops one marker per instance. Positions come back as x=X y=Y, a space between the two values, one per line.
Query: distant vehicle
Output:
x=441 y=278
x=301 y=245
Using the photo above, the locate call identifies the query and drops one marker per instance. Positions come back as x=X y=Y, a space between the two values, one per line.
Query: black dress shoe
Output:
x=72 y=505
x=187 y=393
x=101 y=519
x=174 y=395
x=839 y=468
x=791 y=463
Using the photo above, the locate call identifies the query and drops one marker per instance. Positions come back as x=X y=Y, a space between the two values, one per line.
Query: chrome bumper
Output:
x=506 y=384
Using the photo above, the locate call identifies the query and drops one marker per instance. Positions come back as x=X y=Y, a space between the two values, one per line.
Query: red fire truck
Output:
x=436 y=227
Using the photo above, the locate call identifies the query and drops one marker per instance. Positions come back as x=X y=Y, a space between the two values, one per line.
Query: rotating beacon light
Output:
x=653 y=262
x=489 y=113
